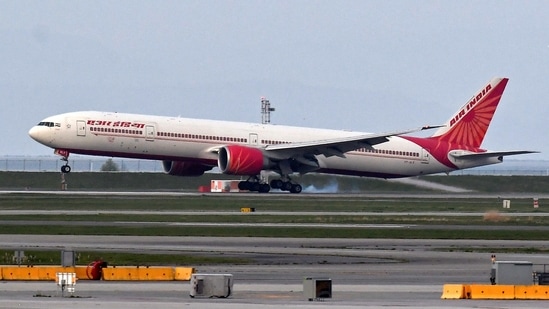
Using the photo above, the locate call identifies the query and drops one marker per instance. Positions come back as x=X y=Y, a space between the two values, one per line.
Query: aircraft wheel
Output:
x=65 y=169
x=255 y=186
x=296 y=188
x=286 y=186
x=276 y=183
x=244 y=186
x=264 y=188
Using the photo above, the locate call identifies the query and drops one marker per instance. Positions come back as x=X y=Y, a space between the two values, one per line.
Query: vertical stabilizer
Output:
x=469 y=125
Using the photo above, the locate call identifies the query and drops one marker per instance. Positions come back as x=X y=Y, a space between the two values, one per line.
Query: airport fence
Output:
x=78 y=164
x=95 y=164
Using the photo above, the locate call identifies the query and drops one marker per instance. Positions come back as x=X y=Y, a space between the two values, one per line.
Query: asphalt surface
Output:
x=365 y=273
x=369 y=273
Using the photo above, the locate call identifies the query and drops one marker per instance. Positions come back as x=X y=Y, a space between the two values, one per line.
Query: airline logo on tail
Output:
x=468 y=127
x=471 y=104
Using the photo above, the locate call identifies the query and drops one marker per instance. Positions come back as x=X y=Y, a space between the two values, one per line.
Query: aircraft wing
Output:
x=334 y=147
x=490 y=154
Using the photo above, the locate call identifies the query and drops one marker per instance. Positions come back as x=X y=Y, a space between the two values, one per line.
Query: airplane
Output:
x=190 y=147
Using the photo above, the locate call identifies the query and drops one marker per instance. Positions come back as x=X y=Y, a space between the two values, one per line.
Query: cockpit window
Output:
x=49 y=124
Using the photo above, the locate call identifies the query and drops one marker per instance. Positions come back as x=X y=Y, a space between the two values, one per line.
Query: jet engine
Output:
x=184 y=168
x=242 y=160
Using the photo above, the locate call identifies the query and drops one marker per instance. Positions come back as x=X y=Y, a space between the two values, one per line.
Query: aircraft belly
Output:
x=380 y=166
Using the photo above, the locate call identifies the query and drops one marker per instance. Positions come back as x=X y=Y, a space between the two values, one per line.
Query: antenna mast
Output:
x=266 y=110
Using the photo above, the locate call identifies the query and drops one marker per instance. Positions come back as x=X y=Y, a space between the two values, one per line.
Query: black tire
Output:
x=286 y=186
x=264 y=188
x=296 y=188
x=255 y=186
x=244 y=186
x=276 y=183
x=65 y=169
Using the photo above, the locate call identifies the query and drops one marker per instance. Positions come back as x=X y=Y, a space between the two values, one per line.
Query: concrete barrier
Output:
x=130 y=273
x=183 y=273
x=156 y=274
x=138 y=273
x=453 y=291
x=531 y=292
x=81 y=272
x=492 y=291
x=32 y=273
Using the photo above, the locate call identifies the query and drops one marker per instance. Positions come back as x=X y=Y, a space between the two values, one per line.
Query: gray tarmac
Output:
x=369 y=273
x=365 y=273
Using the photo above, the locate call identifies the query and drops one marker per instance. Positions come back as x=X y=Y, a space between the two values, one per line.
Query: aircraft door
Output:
x=149 y=133
x=80 y=127
x=253 y=139
x=425 y=155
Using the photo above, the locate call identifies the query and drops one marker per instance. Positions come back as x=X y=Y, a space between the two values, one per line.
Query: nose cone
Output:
x=34 y=133
x=41 y=134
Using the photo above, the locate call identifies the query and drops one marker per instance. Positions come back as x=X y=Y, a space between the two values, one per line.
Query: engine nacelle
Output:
x=241 y=160
x=184 y=168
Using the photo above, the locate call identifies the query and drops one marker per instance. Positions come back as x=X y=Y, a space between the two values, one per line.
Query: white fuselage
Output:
x=195 y=140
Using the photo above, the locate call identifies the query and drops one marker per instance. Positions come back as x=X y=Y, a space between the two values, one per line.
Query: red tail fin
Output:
x=469 y=125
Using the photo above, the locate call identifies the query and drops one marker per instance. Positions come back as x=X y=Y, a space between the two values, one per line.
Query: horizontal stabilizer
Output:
x=488 y=154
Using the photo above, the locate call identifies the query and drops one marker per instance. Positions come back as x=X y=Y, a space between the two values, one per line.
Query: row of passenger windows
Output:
x=237 y=140
x=270 y=142
x=115 y=130
x=204 y=137
x=390 y=152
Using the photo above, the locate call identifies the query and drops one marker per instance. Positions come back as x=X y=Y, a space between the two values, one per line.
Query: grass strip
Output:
x=35 y=257
x=305 y=232
x=105 y=219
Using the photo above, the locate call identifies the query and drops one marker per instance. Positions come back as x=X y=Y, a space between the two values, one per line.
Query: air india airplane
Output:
x=189 y=147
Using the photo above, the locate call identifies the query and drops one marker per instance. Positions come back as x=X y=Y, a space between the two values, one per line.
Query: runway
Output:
x=303 y=195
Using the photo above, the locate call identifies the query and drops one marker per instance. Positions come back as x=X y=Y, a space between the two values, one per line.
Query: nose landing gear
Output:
x=65 y=169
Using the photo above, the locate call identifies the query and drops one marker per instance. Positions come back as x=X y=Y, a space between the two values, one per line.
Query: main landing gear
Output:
x=255 y=185
x=286 y=186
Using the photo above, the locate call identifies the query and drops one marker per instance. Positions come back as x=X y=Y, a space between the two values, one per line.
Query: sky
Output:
x=369 y=66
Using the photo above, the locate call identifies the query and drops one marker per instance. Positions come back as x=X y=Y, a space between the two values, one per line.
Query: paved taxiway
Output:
x=365 y=273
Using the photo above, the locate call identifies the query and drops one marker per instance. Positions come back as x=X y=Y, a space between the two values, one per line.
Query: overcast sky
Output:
x=369 y=66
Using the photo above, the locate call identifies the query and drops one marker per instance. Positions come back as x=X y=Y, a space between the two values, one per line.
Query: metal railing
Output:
x=78 y=164
x=94 y=164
